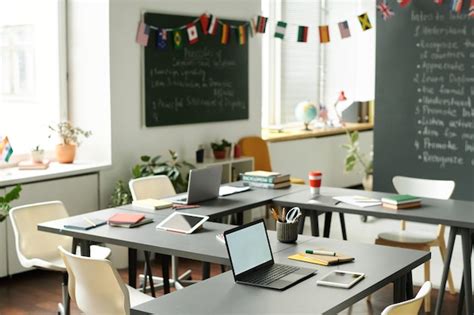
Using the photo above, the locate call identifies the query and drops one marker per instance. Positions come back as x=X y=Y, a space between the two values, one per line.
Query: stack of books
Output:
x=31 y=165
x=401 y=202
x=264 y=179
x=128 y=220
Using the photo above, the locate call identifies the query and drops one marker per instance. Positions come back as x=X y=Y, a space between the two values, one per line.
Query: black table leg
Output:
x=165 y=269
x=75 y=242
x=132 y=267
x=313 y=216
x=409 y=290
x=206 y=270
x=449 y=254
x=148 y=274
x=327 y=224
x=461 y=298
x=240 y=218
x=466 y=254
x=85 y=248
x=301 y=220
x=343 y=226
x=396 y=291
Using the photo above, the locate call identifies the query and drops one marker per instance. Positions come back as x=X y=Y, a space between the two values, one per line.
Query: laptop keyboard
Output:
x=270 y=274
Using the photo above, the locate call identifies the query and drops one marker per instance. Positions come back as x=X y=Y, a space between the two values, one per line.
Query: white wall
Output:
x=130 y=138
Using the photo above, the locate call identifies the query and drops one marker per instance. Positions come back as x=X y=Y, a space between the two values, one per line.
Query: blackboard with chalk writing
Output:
x=424 y=114
x=200 y=82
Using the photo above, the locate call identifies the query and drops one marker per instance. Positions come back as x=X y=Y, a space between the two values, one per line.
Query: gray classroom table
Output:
x=457 y=214
x=220 y=295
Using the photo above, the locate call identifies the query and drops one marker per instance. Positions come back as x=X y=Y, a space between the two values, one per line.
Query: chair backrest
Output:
x=32 y=244
x=157 y=187
x=258 y=148
x=95 y=285
x=428 y=188
x=410 y=307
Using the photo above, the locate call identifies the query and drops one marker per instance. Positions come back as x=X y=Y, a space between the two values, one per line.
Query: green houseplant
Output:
x=70 y=137
x=37 y=154
x=355 y=156
x=5 y=201
x=221 y=150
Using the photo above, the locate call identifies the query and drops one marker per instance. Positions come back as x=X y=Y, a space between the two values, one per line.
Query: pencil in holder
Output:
x=287 y=232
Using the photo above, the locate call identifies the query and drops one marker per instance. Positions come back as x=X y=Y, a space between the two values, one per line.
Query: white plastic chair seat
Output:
x=137 y=297
x=410 y=237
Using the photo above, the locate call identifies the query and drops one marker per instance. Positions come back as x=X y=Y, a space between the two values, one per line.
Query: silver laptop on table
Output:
x=252 y=260
x=203 y=185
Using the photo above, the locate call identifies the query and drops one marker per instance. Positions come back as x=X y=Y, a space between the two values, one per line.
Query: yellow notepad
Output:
x=152 y=204
x=321 y=259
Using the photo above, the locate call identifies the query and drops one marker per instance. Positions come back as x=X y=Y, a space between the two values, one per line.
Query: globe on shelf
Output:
x=306 y=111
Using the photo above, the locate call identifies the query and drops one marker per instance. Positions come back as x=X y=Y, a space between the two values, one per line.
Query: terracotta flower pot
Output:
x=65 y=153
x=219 y=154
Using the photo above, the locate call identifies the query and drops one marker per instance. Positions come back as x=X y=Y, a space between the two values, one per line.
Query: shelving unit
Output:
x=231 y=168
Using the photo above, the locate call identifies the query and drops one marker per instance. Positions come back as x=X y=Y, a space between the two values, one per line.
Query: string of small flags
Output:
x=456 y=6
x=209 y=25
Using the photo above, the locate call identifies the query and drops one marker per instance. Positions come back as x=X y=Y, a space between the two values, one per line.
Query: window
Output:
x=32 y=71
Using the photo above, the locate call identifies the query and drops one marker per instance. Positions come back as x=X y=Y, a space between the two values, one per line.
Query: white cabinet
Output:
x=79 y=194
x=231 y=168
x=3 y=244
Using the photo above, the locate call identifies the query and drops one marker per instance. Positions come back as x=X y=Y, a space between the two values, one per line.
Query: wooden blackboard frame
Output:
x=219 y=105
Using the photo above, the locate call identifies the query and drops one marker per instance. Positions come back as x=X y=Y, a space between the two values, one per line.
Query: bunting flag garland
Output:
x=193 y=37
x=365 y=22
x=143 y=33
x=253 y=27
x=471 y=9
x=385 y=10
x=302 y=34
x=324 y=34
x=280 y=29
x=204 y=20
x=6 y=149
x=162 y=39
x=261 y=24
x=177 y=39
x=225 y=34
x=457 y=6
x=242 y=34
x=403 y=3
x=212 y=25
x=344 y=29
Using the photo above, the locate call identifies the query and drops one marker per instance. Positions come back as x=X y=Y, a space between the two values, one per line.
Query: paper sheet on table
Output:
x=359 y=201
x=229 y=190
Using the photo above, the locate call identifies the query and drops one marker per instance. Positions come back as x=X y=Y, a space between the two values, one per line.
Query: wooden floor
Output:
x=39 y=291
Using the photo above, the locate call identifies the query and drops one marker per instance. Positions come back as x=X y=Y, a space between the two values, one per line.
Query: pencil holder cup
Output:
x=287 y=232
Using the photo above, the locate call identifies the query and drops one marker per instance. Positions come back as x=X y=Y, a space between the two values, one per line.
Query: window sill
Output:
x=298 y=134
x=13 y=175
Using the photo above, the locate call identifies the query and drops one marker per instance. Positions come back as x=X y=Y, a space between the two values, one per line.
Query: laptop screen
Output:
x=248 y=248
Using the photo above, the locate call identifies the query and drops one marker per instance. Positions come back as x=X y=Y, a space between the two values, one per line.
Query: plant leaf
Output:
x=145 y=158
x=354 y=136
x=12 y=194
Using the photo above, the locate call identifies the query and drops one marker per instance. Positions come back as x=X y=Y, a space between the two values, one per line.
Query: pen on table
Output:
x=283 y=215
x=320 y=252
x=337 y=202
x=90 y=221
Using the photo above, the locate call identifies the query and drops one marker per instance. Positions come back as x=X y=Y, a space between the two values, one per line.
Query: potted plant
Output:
x=354 y=156
x=5 y=201
x=70 y=138
x=221 y=150
x=37 y=154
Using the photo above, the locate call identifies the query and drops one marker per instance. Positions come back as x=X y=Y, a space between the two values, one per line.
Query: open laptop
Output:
x=252 y=260
x=203 y=185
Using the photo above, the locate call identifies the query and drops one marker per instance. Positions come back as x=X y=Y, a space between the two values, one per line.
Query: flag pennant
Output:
x=280 y=29
x=6 y=149
x=193 y=36
x=403 y=3
x=177 y=39
x=324 y=34
x=225 y=34
x=365 y=22
x=252 y=27
x=143 y=33
x=204 y=19
x=456 y=6
x=471 y=9
x=302 y=34
x=261 y=24
x=440 y=2
x=212 y=29
x=161 y=39
x=242 y=34
x=385 y=10
x=344 y=29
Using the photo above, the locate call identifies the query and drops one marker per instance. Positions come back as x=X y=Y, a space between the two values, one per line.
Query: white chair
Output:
x=428 y=188
x=97 y=287
x=39 y=249
x=157 y=187
x=410 y=307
